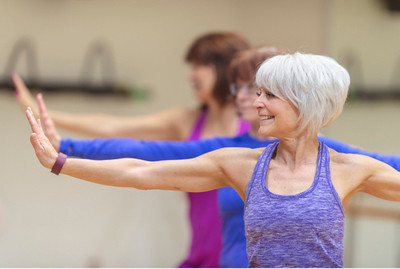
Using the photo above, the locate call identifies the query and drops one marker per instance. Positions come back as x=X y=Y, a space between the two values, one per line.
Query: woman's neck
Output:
x=295 y=152
x=222 y=114
x=221 y=121
x=216 y=110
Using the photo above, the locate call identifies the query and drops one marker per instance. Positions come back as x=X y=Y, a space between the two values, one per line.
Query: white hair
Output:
x=316 y=85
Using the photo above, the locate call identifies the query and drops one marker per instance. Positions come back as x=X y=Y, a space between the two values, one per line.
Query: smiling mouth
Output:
x=266 y=117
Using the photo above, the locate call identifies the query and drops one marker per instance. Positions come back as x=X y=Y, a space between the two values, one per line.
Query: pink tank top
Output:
x=205 y=222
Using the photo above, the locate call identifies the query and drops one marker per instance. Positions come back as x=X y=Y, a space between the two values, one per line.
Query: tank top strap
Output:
x=198 y=127
x=325 y=174
x=260 y=168
x=324 y=164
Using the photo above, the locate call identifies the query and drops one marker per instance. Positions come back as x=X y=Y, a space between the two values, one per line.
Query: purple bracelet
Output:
x=61 y=158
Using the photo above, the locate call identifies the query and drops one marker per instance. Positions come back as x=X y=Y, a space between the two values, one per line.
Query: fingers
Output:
x=42 y=104
x=35 y=126
x=42 y=146
x=43 y=150
x=23 y=95
x=43 y=112
x=31 y=119
x=44 y=115
x=49 y=127
x=18 y=83
x=42 y=109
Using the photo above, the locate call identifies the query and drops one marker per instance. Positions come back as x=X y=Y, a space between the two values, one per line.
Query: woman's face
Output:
x=278 y=118
x=203 y=79
x=245 y=94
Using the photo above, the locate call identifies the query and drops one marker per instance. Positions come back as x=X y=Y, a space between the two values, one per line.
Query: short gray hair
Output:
x=316 y=85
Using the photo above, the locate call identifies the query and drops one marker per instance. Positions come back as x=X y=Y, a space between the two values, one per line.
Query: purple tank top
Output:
x=205 y=222
x=301 y=230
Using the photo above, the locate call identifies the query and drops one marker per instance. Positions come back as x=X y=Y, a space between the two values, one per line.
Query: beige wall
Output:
x=367 y=30
x=150 y=38
x=370 y=34
x=53 y=221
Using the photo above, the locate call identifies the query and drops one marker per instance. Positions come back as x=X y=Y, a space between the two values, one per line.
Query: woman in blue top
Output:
x=211 y=169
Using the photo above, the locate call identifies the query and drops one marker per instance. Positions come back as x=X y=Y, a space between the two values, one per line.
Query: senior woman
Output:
x=295 y=190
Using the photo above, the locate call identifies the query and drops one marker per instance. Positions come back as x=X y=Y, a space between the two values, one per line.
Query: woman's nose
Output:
x=241 y=93
x=258 y=103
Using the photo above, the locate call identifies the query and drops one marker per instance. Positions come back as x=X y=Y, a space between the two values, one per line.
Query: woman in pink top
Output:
x=209 y=57
x=206 y=224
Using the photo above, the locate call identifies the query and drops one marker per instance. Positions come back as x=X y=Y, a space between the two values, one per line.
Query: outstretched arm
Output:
x=392 y=160
x=200 y=174
x=23 y=95
x=114 y=148
x=354 y=173
x=382 y=181
x=160 y=126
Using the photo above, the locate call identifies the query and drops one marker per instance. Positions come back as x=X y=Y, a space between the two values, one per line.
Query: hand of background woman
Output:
x=23 y=95
x=49 y=128
x=45 y=152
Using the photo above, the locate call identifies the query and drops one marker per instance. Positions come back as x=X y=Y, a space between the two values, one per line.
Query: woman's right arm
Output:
x=113 y=148
x=165 y=125
x=203 y=173
x=159 y=126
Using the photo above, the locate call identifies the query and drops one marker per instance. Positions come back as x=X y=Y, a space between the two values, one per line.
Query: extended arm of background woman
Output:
x=158 y=126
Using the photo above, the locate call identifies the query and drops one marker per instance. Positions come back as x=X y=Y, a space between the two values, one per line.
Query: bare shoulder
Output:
x=349 y=171
x=237 y=154
x=237 y=164
x=178 y=121
x=356 y=165
x=239 y=161
x=182 y=119
x=352 y=173
x=349 y=160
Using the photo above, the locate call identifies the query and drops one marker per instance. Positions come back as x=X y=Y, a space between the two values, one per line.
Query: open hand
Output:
x=49 y=128
x=45 y=152
x=23 y=95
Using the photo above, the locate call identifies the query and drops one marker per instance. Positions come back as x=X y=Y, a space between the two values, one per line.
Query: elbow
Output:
x=140 y=184
x=138 y=176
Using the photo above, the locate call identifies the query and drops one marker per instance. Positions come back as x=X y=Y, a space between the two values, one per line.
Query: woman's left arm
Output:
x=381 y=180
x=392 y=160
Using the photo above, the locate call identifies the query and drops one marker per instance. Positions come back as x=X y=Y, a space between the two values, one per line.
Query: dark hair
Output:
x=217 y=49
x=245 y=64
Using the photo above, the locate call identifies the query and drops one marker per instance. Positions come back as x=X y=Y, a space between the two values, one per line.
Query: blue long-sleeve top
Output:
x=230 y=204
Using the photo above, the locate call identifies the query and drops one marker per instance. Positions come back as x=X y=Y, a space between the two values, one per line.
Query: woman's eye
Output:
x=270 y=94
x=258 y=93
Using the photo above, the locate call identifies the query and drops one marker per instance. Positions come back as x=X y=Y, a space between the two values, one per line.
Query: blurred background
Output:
x=125 y=57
